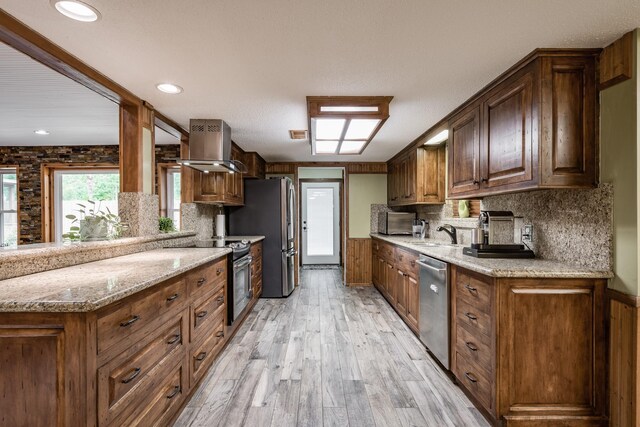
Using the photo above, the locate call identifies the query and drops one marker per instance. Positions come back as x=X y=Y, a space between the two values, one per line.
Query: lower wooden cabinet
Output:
x=531 y=351
x=395 y=275
x=256 y=269
x=132 y=363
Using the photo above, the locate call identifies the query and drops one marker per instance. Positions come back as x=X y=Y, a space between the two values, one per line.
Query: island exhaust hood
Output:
x=210 y=147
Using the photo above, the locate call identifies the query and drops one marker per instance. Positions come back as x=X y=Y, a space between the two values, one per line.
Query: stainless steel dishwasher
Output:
x=434 y=307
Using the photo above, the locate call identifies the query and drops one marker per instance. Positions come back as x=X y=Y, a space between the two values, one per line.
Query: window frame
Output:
x=170 y=189
x=9 y=170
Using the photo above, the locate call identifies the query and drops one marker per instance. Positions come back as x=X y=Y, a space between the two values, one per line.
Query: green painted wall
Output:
x=619 y=154
x=364 y=190
x=320 y=173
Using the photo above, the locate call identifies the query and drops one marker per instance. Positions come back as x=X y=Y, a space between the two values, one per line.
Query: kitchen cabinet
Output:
x=133 y=362
x=526 y=349
x=256 y=165
x=417 y=177
x=220 y=187
x=395 y=275
x=256 y=269
x=534 y=127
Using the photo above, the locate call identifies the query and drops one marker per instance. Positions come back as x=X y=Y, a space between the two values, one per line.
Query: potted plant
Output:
x=94 y=224
x=166 y=225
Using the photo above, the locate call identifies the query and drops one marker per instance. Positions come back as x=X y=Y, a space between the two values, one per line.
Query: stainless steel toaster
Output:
x=396 y=222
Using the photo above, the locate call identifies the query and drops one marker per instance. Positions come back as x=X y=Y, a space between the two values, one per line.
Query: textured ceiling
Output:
x=252 y=63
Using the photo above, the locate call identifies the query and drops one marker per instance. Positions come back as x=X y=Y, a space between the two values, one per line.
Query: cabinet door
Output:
x=431 y=167
x=392 y=197
x=507 y=143
x=413 y=301
x=401 y=292
x=569 y=122
x=209 y=187
x=391 y=283
x=410 y=179
x=464 y=152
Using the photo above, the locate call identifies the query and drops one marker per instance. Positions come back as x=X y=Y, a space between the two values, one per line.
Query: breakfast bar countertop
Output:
x=90 y=286
x=496 y=267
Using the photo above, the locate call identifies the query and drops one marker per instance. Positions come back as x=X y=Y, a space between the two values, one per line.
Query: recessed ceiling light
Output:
x=41 y=132
x=169 y=88
x=77 y=10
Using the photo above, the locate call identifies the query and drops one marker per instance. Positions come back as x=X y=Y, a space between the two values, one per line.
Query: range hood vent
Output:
x=210 y=147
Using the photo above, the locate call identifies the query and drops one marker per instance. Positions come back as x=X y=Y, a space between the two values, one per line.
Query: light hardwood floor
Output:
x=327 y=356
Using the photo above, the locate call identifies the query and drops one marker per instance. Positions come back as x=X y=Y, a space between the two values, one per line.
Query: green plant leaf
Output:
x=70 y=216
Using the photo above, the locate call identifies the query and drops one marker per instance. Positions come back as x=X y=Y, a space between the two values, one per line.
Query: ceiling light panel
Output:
x=76 y=10
x=326 y=147
x=329 y=128
x=169 y=88
x=352 y=147
x=361 y=128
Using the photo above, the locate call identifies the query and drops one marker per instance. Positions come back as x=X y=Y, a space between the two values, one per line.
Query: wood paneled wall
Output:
x=624 y=360
x=359 y=262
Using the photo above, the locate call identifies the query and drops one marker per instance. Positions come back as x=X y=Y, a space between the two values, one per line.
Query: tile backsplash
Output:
x=573 y=226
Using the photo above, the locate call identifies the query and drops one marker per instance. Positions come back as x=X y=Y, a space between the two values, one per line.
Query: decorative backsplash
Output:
x=573 y=226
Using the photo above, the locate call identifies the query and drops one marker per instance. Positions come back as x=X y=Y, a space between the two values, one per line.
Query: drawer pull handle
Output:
x=220 y=299
x=200 y=357
x=220 y=334
x=470 y=288
x=219 y=271
x=471 y=347
x=173 y=393
x=470 y=377
x=201 y=281
x=471 y=316
x=174 y=339
x=132 y=377
x=173 y=297
x=202 y=314
x=130 y=322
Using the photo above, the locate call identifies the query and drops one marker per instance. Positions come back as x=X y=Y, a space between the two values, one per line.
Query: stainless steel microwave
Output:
x=395 y=222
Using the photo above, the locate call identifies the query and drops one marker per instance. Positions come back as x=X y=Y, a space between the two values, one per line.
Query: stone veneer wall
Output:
x=29 y=161
x=572 y=226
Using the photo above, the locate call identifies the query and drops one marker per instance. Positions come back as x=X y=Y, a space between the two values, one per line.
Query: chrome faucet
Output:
x=451 y=231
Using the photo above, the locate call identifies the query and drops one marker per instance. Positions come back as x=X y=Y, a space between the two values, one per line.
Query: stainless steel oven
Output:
x=240 y=286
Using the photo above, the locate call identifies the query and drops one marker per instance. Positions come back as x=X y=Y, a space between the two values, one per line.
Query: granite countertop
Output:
x=251 y=239
x=523 y=268
x=89 y=286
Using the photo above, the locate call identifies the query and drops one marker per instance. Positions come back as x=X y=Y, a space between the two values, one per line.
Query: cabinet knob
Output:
x=174 y=339
x=136 y=372
x=130 y=322
x=173 y=297
x=219 y=271
x=471 y=346
x=484 y=180
x=220 y=334
x=200 y=357
x=220 y=300
x=201 y=281
x=476 y=182
x=470 y=288
x=470 y=377
x=202 y=314
x=471 y=316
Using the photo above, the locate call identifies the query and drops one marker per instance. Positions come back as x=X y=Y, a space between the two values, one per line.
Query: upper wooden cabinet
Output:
x=220 y=187
x=256 y=166
x=417 y=177
x=534 y=127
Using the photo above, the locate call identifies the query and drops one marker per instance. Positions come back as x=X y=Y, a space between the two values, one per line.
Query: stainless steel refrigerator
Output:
x=269 y=210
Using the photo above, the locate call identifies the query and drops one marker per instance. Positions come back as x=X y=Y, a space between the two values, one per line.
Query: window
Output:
x=9 y=207
x=173 y=195
x=78 y=186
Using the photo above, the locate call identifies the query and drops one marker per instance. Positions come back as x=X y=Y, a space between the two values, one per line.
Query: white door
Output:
x=320 y=222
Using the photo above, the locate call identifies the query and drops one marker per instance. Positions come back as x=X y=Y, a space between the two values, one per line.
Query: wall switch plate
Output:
x=527 y=233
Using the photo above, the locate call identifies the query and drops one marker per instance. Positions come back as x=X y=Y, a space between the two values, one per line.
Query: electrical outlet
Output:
x=526 y=233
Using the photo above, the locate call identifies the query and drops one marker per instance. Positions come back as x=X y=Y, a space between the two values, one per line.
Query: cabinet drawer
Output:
x=406 y=262
x=166 y=398
x=203 y=353
x=118 y=326
x=476 y=292
x=208 y=278
x=122 y=381
x=387 y=252
x=474 y=380
x=476 y=348
x=205 y=313
x=473 y=319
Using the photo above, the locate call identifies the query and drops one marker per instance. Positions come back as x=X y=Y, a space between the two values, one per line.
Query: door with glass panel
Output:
x=320 y=222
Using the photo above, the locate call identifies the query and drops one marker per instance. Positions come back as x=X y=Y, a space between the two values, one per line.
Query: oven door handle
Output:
x=243 y=263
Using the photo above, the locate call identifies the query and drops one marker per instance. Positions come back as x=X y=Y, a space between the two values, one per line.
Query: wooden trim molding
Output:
x=350 y=167
x=624 y=359
x=616 y=61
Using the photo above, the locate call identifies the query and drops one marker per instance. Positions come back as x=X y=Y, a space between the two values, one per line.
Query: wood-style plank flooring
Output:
x=327 y=356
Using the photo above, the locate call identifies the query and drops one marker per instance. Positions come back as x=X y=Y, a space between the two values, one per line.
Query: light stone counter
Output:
x=89 y=286
x=497 y=267
x=251 y=239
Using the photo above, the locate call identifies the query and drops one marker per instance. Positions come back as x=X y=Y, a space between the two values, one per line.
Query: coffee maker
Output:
x=498 y=229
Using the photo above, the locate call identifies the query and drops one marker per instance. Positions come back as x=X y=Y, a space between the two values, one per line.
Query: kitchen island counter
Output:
x=90 y=286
